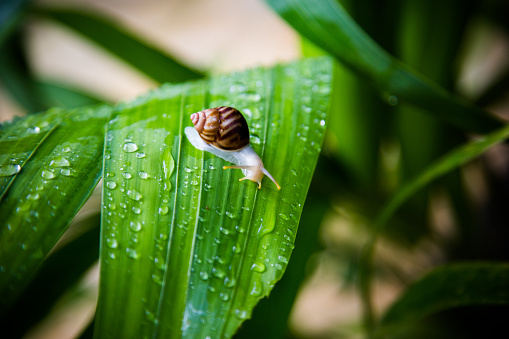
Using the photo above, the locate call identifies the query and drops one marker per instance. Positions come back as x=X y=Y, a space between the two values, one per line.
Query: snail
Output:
x=223 y=131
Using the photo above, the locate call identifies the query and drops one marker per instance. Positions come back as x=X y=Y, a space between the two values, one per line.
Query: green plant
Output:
x=186 y=249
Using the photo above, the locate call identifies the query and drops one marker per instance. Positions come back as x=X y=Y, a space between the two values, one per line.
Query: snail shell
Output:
x=223 y=131
x=223 y=127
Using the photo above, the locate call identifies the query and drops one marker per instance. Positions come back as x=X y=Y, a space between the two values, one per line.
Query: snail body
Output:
x=223 y=131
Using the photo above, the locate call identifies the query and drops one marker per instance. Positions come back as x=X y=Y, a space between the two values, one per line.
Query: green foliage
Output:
x=186 y=250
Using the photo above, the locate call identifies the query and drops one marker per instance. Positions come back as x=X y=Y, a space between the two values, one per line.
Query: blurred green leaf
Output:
x=123 y=44
x=449 y=162
x=57 y=274
x=16 y=76
x=65 y=97
x=47 y=191
x=188 y=250
x=328 y=25
x=10 y=13
x=448 y=287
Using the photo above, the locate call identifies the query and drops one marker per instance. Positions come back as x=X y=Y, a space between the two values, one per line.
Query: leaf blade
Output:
x=328 y=25
x=444 y=288
x=214 y=252
x=47 y=193
x=123 y=44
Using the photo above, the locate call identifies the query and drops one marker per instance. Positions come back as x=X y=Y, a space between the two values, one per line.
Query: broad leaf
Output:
x=188 y=250
x=327 y=24
x=48 y=190
x=448 y=287
x=123 y=44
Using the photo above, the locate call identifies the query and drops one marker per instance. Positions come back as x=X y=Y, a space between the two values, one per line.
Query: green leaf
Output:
x=327 y=25
x=448 y=287
x=444 y=165
x=188 y=250
x=48 y=190
x=123 y=44
x=67 y=97
x=52 y=280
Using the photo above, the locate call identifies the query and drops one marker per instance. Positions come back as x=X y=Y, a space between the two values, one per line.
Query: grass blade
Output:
x=47 y=193
x=449 y=162
x=444 y=288
x=327 y=25
x=123 y=44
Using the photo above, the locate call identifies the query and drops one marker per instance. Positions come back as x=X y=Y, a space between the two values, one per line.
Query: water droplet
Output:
x=322 y=122
x=135 y=226
x=33 y=130
x=7 y=170
x=229 y=282
x=133 y=195
x=150 y=316
x=258 y=267
x=163 y=210
x=132 y=253
x=33 y=196
x=130 y=147
x=224 y=231
x=284 y=216
x=59 y=162
x=241 y=314
x=256 y=288
x=224 y=296
x=48 y=175
x=112 y=207
x=254 y=139
x=251 y=96
x=218 y=273
x=66 y=149
x=127 y=175
x=392 y=100
x=230 y=214
x=237 y=87
x=67 y=172
x=236 y=249
x=136 y=210
x=140 y=155
x=283 y=259
x=204 y=276
x=143 y=175
x=111 y=185
x=111 y=242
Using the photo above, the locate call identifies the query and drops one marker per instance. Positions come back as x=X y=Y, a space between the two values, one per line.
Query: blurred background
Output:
x=371 y=148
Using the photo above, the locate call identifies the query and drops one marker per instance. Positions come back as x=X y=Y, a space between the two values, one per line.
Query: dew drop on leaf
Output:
x=135 y=226
x=258 y=267
x=59 y=162
x=111 y=185
x=48 y=175
x=7 y=170
x=130 y=147
x=133 y=195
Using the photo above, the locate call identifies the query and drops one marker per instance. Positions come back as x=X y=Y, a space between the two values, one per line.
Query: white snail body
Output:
x=223 y=132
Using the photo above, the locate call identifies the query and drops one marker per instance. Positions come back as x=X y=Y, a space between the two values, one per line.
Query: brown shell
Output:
x=223 y=127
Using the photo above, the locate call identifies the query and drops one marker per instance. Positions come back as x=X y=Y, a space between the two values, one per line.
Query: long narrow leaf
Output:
x=123 y=44
x=443 y=166
x=188 y=250
x=328 y=25
x=445 y=288
x=47 y=193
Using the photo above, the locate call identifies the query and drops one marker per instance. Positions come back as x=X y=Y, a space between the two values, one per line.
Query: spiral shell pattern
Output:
x=223 y=127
